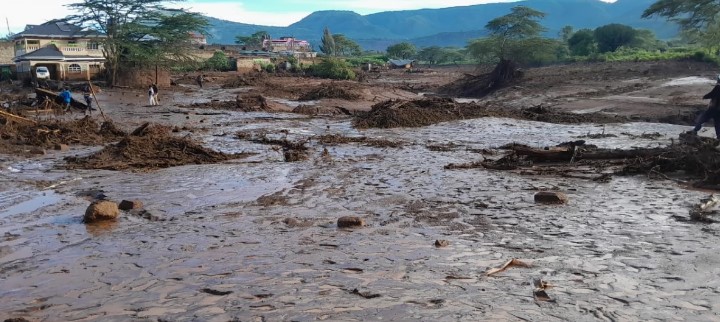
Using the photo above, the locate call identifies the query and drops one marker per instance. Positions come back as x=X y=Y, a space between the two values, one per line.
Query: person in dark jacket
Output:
x=712 y=112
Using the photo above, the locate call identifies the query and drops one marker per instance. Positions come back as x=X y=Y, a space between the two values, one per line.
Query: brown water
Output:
x=217 y=248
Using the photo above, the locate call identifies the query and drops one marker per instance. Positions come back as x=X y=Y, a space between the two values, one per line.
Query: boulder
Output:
x=442 y=243
x=101 y=210
x=62 y=147
x=551 y=197
x=130 y=205
x=350 y=222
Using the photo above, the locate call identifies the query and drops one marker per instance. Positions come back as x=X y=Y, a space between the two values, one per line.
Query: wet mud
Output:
x=259 y=239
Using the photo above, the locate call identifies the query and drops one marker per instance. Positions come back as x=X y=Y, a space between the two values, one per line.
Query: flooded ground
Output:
x=256 y=239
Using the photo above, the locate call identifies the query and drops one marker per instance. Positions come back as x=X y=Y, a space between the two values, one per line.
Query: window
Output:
x=93 y=46
x=74 y=68
x=72 y=43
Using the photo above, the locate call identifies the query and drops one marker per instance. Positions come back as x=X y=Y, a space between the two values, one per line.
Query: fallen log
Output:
x=567 y=154
x=15 y=118
x=58 y=100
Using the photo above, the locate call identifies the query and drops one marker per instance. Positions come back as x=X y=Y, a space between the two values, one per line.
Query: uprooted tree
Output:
x=139 y=32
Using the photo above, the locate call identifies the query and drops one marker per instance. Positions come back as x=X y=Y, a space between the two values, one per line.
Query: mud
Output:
x=417 y=113
x=149 y=147
x=341 y=90
x=49 y=133
x=257 y=238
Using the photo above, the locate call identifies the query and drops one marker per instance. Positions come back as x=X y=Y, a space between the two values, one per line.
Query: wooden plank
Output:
x=15 y=118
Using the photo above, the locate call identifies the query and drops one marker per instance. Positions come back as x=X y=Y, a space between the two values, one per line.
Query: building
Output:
x=197 y=38
x=68 y=51
x=401 y=63
x=286 y=44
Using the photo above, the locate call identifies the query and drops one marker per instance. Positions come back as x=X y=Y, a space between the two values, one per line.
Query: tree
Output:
x=689 y=14
x=520 y=23
x=255 y=40
x=403 y=50
x=327 y=43
x=436 y=55
x=611 y=37
x=345 y=46
x=566 y=32
x=218 y=61
x=582 y=43
x=138 y=31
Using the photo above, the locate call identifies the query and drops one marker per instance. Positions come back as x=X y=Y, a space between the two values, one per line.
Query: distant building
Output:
x=401 y=63
x=286 y=44
x=68 y=51
x=197 y=38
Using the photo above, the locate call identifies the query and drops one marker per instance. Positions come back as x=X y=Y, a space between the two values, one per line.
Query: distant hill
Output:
x=452 y=26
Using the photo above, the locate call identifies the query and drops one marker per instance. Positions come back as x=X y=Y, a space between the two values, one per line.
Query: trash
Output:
x=539 y=293
x=700 y=212
x=511 y=263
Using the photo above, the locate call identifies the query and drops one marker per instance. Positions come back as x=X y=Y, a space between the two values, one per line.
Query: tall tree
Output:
x=582 y=43
x=520 y=23
x=255 y=40
x=689 y=14
x=566 y=32
x=613 y=36
x=327 y=43
x=138 y=31
x=403 y=50
x=345 y=46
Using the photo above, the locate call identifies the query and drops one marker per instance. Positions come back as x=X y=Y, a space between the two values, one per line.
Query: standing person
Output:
x=151 y=95
x=88 y=99
x=200 y=79
x=713 y=110
x=67 y=98
x=155 y=90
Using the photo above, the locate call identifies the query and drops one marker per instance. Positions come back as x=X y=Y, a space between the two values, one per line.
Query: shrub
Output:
x=333 y=68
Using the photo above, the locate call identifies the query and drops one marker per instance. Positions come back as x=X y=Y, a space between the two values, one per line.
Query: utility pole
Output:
x=7 y=22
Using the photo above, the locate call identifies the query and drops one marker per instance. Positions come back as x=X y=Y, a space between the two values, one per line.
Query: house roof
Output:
x=49 y=52
x=401 y=62
x=56 y=29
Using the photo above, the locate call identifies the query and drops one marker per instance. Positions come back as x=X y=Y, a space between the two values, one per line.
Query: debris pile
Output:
x=694 y=158
x=150 y=146
x=254 y=79
x=504 y=74
x=46 y=134
x=332 y=90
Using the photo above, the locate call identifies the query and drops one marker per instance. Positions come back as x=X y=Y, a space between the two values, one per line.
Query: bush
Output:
x=332 y=68
x=270 y=68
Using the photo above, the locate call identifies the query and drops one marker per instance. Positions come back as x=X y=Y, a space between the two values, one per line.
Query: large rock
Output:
x=551 y=197
x=101 y=210
x=350 y=222
x=130 y=204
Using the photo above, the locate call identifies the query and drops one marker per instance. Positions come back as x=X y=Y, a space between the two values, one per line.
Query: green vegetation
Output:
x=403 y=50
x=219 y=61
x=346 y=47
x=254 y=41
x=332 y=68
x=377 y=60
x=327 y=45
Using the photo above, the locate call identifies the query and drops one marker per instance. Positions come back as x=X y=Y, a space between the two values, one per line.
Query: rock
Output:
x=101 y=210
x=37 y=151
x=62 y=147
x=292 y=222
x=551 y=197
x=442 y=243
x=350 y=222
x=130 y=205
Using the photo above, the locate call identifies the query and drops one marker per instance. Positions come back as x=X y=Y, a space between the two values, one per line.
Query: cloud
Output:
x=41 y=11
x=235 y=11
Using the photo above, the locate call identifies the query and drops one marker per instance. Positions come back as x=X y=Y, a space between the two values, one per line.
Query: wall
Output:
x=250 y=64
x=141 y=78
x=7 y=52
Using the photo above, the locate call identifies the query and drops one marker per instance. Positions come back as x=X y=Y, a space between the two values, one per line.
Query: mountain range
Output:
x=453 y=26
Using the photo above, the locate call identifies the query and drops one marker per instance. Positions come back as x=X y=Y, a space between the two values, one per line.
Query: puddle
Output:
x=39 y=200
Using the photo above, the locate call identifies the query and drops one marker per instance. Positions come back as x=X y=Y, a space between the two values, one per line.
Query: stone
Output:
x=350 y=222
x=442 y=243
x=551 y=197
x=101 y=210
x=130 y=205
x=62 y=147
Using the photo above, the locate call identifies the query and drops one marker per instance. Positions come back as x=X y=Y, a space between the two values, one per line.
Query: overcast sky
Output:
x=262 y=12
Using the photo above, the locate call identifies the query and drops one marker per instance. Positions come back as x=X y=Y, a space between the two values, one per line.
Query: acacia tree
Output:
x=698 y=19
x=138 y=31
x=520 y=23
x=327 y=43
x=403 y=50
x=254 y=40
x=345 y=46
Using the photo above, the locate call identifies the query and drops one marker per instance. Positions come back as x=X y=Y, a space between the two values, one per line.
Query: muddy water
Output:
x=218 y=249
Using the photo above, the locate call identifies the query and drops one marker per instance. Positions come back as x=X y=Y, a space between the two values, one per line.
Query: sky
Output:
x=261 y=12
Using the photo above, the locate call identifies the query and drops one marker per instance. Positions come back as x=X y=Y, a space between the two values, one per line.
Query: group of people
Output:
x=66 y=97
x=153 y=95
